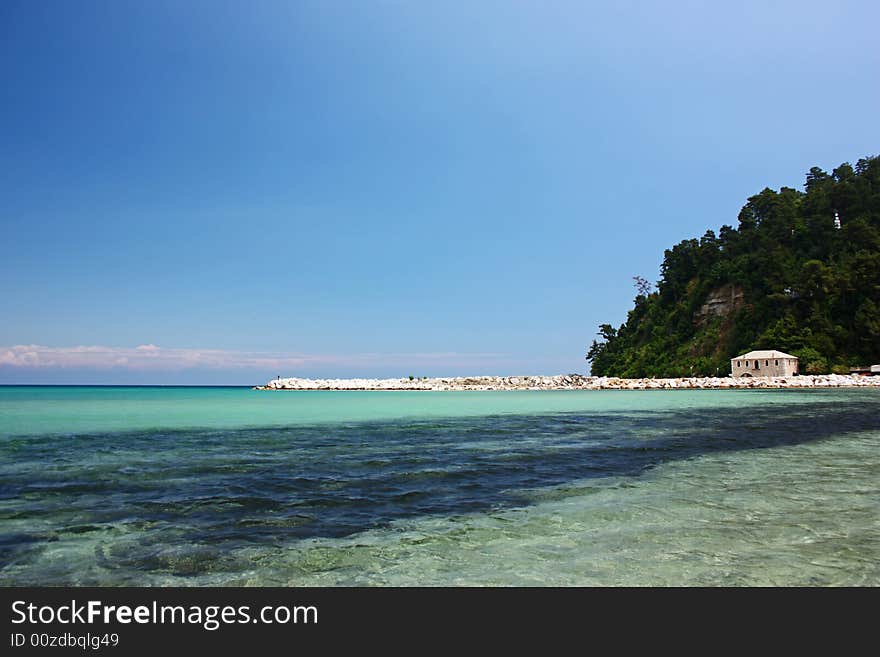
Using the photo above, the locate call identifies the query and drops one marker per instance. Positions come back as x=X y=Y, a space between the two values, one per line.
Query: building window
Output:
x=766 y=363
x=777 y=363
x=747 y=363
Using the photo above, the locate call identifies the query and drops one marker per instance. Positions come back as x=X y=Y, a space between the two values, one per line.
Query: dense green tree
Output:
x=788 y=277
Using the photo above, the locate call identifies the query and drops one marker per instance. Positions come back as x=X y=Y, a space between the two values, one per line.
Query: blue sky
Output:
x=387 y=188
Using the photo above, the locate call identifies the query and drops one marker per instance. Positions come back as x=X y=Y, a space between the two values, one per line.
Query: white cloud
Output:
x=152 y=357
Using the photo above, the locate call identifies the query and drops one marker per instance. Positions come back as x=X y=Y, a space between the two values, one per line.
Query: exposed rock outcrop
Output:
x=721 y=302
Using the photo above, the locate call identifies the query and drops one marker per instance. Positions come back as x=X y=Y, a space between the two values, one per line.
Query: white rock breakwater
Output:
x=573 y=382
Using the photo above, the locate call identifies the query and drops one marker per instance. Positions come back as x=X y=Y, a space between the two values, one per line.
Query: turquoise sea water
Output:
x=205 y=486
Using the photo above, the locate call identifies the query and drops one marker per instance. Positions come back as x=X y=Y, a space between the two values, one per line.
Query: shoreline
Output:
x=573 y=382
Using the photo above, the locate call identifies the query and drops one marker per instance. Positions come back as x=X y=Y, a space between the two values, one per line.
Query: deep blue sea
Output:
x=232 y=486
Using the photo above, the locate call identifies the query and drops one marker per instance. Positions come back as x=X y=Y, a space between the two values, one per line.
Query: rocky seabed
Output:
x=574 y=382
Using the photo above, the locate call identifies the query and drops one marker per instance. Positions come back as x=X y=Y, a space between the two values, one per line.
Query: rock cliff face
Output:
x=571 y=382
x=721 y=302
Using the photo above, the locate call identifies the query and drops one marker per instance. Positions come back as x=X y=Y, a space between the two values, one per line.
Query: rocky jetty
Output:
x=573 y=382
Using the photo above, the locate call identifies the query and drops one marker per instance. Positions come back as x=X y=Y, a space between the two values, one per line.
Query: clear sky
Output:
x=219 y=192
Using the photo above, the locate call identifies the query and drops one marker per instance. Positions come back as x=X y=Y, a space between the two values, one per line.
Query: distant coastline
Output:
x=572 y=382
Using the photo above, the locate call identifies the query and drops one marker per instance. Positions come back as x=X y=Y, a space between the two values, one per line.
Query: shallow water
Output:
x=204 y=486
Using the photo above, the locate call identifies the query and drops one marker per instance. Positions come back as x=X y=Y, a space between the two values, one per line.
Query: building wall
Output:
x=764 y=367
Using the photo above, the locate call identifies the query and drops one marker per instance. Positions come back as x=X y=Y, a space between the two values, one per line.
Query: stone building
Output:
x=764 y=363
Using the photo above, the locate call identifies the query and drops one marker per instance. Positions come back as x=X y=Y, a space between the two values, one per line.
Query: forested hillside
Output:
x=800 y=273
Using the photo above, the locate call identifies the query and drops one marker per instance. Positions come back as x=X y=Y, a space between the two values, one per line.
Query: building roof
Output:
x=771 y=353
